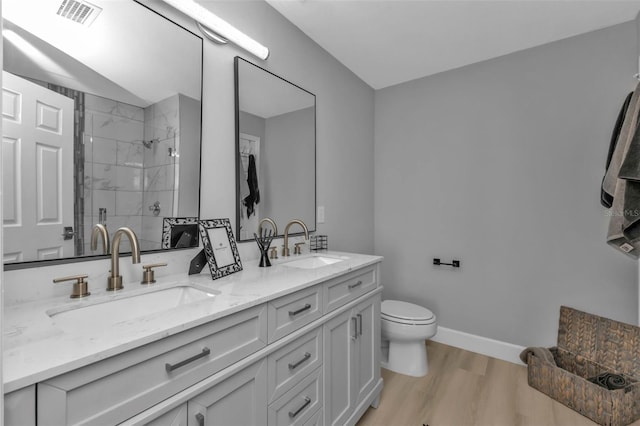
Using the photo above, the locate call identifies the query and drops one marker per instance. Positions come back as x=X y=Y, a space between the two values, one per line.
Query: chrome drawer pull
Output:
x=352 y=286
x=299 y=311
x=307 y=401
x=205 y=351
x=306 y=356
x=355 y=328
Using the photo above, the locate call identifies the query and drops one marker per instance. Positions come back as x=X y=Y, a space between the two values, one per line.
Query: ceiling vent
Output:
x=81 y=11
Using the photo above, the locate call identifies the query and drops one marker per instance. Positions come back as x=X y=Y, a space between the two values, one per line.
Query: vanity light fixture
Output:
x=217 y=29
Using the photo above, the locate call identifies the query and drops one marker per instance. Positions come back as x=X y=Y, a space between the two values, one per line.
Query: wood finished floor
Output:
x=467 y=389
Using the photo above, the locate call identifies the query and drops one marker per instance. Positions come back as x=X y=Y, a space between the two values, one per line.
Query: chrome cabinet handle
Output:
x=355 y=328
x=352 y=286
x=200 y=419
x=293 y=366
x=169 y=367
x=360 y=319
x=299 y=311
x=293 y=414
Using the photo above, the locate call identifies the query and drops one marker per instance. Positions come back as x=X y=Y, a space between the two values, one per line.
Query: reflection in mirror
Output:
x=100 y=111
x=275 y=150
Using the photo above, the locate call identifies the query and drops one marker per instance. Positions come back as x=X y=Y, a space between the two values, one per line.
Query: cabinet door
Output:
x=239 y=400
x=175 y=417
x=339 y=344
x=367 y=365
x=20 y=407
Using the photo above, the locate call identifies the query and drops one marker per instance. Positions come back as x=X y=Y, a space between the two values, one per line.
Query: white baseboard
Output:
x=482 y=345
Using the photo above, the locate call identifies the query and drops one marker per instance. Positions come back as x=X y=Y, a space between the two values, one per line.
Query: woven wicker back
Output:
x=612 y=344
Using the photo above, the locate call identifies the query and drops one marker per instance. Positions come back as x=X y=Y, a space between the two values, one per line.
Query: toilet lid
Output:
x=395 y=309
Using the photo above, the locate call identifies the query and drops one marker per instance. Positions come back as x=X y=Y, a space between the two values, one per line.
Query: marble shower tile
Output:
x=166 y=203
x=104 y=151
x=128 y=178
x=100 y=176
x=130 y=154
x=111 y=107
x=128 y=203
x=117 y=128
x=159 y=178
x=152 y=228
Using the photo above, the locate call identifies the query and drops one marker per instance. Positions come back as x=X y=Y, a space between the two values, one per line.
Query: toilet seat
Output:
x=406 y=313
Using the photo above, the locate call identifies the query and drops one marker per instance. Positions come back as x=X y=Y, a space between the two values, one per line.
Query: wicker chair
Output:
x=589 y=345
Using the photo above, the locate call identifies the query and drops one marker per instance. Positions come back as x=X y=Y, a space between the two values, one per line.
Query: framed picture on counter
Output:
x=220 y=247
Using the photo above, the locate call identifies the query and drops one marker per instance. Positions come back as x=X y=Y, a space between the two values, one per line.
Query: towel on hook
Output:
x=617 y=187
x=606 y=198
x=631 y=212
x=627 y=131
x=254 y=193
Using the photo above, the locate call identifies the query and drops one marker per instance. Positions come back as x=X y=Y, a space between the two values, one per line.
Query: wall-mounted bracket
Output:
x=454 y=263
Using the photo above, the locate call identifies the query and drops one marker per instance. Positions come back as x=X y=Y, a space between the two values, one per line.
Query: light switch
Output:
x=320 y=214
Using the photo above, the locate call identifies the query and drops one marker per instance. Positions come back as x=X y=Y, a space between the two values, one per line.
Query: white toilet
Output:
x=405 y=327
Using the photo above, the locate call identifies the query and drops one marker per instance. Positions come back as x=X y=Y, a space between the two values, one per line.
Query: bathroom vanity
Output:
x=297 y=343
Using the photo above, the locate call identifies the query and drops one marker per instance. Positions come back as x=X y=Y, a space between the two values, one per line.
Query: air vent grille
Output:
x=81 y=12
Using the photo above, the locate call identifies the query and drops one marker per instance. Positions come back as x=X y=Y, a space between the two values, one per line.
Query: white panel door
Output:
x=37 y=170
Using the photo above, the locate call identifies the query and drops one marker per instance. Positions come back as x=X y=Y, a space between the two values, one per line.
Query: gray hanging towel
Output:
x=613 y=185
x=615 y=235
x=254 y=193
x=631 y=212
x=630 y=168
x=627 y=131
x=606 y=199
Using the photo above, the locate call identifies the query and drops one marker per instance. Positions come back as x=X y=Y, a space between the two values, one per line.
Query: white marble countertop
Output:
x=36 y=349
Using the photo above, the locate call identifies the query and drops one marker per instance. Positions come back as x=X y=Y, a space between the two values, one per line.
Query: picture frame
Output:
x=220 y=247
x=179 y=232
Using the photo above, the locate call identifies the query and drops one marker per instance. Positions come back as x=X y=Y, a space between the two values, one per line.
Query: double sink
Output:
x=114 y=309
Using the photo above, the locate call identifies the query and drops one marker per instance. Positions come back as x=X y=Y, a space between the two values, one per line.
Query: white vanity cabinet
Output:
x=19 y=407
x=237 y=400
x=306 y=358
x=117 y=388
x=352 y=360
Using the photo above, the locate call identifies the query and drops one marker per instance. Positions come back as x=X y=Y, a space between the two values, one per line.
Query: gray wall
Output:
x=344 y=120
x=290 y=147
x=499 y=164
x=252 y=125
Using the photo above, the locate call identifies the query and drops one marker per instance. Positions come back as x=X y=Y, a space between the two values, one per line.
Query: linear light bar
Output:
x=219 y=26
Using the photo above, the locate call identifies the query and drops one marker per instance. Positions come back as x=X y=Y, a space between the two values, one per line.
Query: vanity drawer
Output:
x=316 y=419
x=293 y=311
x=115 y=389
x=289 y=364
x=299 y=404
x=346 y=288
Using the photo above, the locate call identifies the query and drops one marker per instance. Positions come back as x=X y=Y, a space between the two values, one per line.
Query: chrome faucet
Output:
x=100 y=230
x=114 y=282
x=285 y=247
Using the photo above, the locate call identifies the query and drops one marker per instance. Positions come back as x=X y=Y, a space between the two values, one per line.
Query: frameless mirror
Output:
x=275 y=150
x=101 y=124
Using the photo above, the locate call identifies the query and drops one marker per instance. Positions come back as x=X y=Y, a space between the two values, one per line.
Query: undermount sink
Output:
x=313 y=262
x=111 y=310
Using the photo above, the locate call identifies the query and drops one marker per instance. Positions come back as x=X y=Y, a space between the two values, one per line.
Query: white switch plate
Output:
x=320 y=214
